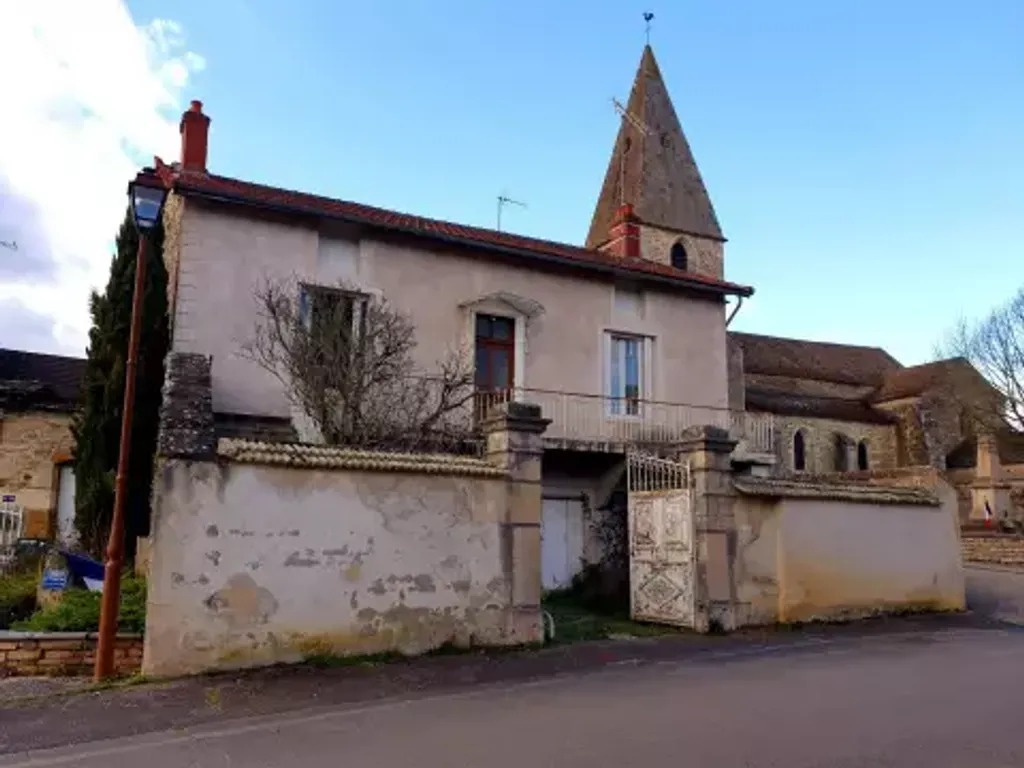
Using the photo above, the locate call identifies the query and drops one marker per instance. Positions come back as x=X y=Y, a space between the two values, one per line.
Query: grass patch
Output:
x=17 y=597
x=334 y=661
x=576 y=621
x=79 y=611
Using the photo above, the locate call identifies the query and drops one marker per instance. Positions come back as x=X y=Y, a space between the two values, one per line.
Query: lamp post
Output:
x=147 y=202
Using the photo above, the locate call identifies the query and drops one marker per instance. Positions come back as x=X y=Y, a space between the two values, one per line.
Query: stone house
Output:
x=620 y=342
x=38 y=396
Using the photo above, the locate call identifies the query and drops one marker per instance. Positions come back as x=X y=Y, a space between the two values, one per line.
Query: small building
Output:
x=38 y=397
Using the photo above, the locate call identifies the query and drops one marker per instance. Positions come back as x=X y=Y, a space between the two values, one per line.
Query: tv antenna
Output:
x=504 y=200
x=637 y=125
x=648 y=18
x=12 y=244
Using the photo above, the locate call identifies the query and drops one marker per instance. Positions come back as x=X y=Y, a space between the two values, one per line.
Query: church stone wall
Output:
x=819 y=442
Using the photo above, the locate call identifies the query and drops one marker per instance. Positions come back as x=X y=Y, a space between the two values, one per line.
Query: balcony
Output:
x=609 y=423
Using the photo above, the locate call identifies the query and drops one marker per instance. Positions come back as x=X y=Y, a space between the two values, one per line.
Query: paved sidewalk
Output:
x=36 y=722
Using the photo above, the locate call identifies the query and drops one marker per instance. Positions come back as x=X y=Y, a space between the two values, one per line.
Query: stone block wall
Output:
x=63 y=653
x=30 y=446
x=992 y=548
x=704 y=256
x=819 y=442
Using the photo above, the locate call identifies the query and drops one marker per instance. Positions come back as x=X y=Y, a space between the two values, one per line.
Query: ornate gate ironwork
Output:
x=662 y=549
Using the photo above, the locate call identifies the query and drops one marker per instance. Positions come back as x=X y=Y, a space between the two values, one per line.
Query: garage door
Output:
x=561 y=534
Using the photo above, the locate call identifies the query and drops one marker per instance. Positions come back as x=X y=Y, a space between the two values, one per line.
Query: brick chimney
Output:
x=624 y=235
x=195 y=129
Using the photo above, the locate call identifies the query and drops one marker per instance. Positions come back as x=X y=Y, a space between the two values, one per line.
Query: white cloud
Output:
x=89 y=96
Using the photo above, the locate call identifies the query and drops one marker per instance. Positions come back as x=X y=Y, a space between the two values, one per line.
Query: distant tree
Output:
x=995 y=346
x=97 y=427
x=346 y=362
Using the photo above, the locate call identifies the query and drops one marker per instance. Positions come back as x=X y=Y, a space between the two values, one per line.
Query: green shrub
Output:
x=17 y=596
x=79 y=611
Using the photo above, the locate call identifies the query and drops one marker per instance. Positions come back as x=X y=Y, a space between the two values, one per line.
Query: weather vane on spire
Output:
x=648 y=17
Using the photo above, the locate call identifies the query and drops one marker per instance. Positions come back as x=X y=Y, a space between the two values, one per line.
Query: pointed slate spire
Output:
x=654 y=171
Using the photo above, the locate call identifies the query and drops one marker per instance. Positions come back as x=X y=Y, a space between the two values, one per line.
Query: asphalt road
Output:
x=942 y=699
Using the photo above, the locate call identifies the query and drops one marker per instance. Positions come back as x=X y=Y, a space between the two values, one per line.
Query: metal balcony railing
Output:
x=576 y=416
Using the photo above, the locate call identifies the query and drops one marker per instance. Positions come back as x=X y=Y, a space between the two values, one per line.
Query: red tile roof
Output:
x=225 y=189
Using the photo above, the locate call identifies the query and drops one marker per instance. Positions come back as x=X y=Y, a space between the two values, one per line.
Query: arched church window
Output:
x=799 y=451
x=679 y=256
x=839 y=453
x=862 y=455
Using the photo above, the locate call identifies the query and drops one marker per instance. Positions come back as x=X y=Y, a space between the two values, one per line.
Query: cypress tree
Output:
x=97 y=427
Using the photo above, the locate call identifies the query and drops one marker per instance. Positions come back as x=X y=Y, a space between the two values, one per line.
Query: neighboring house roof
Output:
x=789 y=404
x=652 y=167
x=222 y=189
x=29 y=380
x=913 y=381
x=821 y=361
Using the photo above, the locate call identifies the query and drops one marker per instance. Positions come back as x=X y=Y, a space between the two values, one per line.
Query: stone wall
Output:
x=992 y=548
x=819 y=442
x=704 y=256
x=271 y=553
x=827 y=550
x=31 y=444
x=63 y=653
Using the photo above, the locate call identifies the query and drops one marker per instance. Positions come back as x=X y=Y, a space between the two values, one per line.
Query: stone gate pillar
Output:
x=515 y=443
x=707 y=451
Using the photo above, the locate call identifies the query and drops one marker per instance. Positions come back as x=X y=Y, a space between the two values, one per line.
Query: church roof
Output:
x=913 y=381
x=226 y=190
x=652 y=166
x=822 y=361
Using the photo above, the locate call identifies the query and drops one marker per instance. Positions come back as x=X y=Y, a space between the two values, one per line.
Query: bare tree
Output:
x=346 y=361
x=995 y=346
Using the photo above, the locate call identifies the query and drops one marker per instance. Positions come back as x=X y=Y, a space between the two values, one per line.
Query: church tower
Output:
x=653 y=202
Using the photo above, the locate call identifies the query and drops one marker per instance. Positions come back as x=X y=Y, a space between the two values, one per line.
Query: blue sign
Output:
x=55 y=580
x=8 y=499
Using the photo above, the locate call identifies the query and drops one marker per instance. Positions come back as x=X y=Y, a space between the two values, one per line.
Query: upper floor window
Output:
x=862 y=455
x=495 y=352
x=799 y=451
x=335 y=319
x=679 y=256
x=625 y=374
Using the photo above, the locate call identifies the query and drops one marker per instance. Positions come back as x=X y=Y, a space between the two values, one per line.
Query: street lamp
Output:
x=146 y=197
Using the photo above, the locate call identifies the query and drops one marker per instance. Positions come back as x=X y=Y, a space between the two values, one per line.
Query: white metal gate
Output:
x=662 y=552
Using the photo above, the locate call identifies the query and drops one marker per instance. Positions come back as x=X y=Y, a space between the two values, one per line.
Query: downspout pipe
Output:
x=739 y=303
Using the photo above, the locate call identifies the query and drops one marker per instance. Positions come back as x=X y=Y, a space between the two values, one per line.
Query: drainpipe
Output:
x=739 y=303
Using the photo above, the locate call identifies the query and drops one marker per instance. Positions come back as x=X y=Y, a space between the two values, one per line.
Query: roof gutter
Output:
x=607 y=269
x=735 y=310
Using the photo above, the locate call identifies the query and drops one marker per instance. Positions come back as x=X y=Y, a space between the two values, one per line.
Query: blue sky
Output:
x=866 y=159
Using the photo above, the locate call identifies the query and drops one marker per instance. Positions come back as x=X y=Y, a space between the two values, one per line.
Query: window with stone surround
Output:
x=799 y=451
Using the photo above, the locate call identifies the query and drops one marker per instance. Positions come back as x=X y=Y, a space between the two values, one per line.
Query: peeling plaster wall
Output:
x=802 y=559
x=255 y=564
